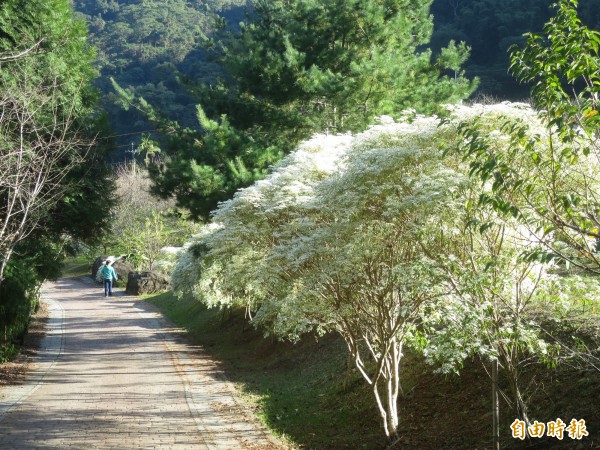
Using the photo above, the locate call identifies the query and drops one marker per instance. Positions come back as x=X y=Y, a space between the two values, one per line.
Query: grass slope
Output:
x=77 y=266
x=307 y=394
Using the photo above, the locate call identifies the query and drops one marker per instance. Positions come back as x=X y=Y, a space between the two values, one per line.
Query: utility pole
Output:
x=132 y=151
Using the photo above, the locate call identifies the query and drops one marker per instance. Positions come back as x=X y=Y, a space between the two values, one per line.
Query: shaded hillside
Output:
x=490 y=27
x=149 y=47
x=311 y=394
x=146 y=47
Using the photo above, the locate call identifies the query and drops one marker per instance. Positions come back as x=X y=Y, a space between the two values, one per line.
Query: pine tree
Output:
x=341 y=62
x=298 y=67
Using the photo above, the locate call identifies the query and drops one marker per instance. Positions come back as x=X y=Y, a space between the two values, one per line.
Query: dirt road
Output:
x=112 y=373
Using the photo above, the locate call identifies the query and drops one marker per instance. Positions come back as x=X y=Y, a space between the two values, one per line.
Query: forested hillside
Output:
x=147 y=47
x=490 y=27
x=155 y=49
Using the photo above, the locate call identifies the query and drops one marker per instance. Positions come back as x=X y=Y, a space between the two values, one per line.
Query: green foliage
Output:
x=148 y=47
x=62 y=54
x=49 y=121
x=296 y=68
x=540 y=172
x=63 y=63
x=139 y=48
x=334 y=65
x=204 y=168
x=563 y=65
x=142 y=225
x=144 y=33
x=547 y=174
x=18 y=299
x=490 y=28
x=145 y=240
x=148 y=148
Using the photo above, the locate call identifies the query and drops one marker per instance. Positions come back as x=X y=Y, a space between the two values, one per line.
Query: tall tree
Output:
x=339 y=63
x=332 y=241
x=303 y=66
x=51 y=174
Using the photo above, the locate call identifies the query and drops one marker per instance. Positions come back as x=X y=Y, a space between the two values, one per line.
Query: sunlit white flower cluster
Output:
x=382 y=238
x=292 y=247
x=328 y=178
x=167 y=259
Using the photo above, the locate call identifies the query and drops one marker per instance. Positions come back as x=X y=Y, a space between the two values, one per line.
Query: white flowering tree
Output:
x=382 y=239
x=357 y=263
x=332 y=241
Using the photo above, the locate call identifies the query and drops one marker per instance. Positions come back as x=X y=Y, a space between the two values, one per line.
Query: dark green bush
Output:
x=18 y=300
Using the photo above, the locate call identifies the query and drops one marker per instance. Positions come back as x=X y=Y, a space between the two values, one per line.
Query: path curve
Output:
x=113 y=373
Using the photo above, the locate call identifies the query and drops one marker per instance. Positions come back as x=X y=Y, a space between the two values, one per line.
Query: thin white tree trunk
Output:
x=495 y=407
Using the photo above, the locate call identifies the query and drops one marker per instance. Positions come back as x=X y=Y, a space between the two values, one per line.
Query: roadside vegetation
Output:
x=54 y=185
x=309 y=392
x=458 y=237
x=142 y=225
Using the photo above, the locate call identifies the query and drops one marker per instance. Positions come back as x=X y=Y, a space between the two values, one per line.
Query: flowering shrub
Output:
x=227 y=258
x=167 y=258
x=385 y=240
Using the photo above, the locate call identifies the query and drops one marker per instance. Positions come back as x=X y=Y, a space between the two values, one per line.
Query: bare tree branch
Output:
x=21 y=54
x=39 y=146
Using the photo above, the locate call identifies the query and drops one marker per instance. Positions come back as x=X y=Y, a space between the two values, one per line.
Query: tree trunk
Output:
x=495 y=407
x=388 y=409
x=520 y=405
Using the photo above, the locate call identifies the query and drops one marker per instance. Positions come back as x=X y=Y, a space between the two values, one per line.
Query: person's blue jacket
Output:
x=108 y=272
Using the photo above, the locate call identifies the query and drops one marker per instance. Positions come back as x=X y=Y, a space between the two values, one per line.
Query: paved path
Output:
x=113 y=374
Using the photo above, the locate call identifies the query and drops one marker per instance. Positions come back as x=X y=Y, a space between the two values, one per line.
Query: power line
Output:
x=126 y=134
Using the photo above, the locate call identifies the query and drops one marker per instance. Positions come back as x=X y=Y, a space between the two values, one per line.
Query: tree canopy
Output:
x=52 y=180
x=300 y=67
x=338 y=64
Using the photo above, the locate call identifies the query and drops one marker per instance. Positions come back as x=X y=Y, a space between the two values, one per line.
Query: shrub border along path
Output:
x=114 y=373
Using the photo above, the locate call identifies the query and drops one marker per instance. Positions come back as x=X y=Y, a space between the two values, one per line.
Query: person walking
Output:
x=108 y=276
